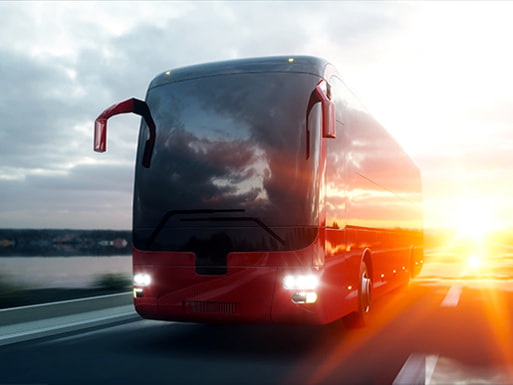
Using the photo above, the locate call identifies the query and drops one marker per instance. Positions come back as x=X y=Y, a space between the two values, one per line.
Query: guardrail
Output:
x=35 y=321
x=63 y=308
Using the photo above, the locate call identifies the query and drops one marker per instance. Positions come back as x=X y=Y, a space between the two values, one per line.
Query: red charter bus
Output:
x=266 y=193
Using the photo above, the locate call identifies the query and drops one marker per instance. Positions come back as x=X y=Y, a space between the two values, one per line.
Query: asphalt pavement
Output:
x=445 y=329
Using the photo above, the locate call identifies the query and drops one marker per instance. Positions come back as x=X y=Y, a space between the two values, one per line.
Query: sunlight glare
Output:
x=474 y=262
x=473 y=219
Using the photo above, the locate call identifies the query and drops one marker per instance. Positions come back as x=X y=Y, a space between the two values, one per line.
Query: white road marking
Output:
x=453 y=296
x=417 y=370
x=431 y=362
x=451 y=371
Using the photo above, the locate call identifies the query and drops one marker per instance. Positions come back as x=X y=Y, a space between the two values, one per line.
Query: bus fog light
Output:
x=311 y=297
x=142 y=279
x=138 y=292
x=305 y=297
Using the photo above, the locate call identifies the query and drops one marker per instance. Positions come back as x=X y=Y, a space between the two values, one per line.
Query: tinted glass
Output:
x=229 y=170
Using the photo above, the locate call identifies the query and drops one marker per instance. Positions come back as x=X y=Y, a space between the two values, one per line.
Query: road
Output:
x=446 y=328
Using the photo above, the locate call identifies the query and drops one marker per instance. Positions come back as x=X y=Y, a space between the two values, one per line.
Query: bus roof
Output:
x=299 y=64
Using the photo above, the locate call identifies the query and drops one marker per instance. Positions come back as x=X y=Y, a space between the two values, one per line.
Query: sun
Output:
x=474 y=261
x=473 y=219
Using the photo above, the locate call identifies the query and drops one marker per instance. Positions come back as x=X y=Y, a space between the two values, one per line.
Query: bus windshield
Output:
x=235 y=165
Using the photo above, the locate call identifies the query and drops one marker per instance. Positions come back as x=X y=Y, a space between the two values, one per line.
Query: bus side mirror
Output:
x=130 y=105
x=329 y=117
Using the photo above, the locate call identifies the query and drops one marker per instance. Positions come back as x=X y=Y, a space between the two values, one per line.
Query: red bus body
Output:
x=305 y=224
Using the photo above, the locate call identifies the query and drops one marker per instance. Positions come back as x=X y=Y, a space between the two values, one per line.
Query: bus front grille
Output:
x=207 y=307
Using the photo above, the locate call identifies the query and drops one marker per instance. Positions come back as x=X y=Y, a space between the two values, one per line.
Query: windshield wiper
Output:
x=172 y=213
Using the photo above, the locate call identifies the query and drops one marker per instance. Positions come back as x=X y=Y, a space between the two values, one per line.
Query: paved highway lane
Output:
x=440 y=331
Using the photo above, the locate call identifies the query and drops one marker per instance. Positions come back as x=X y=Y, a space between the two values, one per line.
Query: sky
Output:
x=437 y=75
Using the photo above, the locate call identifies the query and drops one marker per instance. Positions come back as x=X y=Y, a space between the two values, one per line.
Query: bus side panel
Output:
x=374 y=192
x=341 y=276
x=388 y=256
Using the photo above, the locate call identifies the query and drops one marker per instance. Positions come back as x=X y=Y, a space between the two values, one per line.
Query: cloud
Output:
x=443 y=92
x=87 y=195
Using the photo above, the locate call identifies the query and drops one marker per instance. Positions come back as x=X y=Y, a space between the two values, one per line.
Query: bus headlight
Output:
x=142 y=279
x=300 y=282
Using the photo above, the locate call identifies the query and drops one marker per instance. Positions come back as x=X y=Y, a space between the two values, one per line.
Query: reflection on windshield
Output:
x=235 y=142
